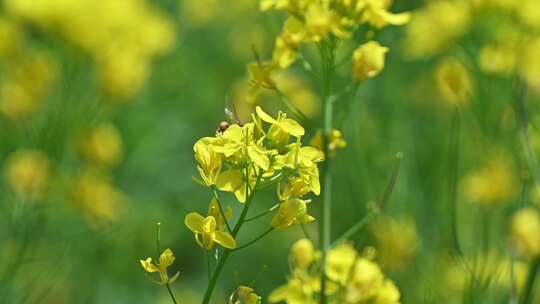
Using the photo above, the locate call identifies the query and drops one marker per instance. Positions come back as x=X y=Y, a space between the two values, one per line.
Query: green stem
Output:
x=158 y=248
x=227 y=252
x=214 y=192
x=262 y=213
x=531 y=278
x=254 y=240
x=455 y=131
x=354 y=229
x=328 y=64
x=171 y=293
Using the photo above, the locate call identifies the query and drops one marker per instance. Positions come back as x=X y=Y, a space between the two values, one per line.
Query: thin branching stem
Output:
x=254 y=240
x=214 y=192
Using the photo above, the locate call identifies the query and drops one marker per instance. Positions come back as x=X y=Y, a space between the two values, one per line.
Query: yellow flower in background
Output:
x=291 y=212
x=209 y=162
x=299 y=289
x=368 y=60
x=340 y=261
x=320 y=21
x=27 y=173
x=128 y=36
x=454 y=82
x=207 y=233
x=525 y=232
x=498 y=60
x=396 y=239
x=260 y=76
x=435 y=27
x=288 y=42
x=97 y=197
x=27 y=81
x=11 y=37
x=366 y=281
x=244 y=295
x=102 y=145
x=495 y=182
x=336 y=141
x=166 y=259
x=303 y=253
x=530 y=64
x=388 y=294
x=377 y=15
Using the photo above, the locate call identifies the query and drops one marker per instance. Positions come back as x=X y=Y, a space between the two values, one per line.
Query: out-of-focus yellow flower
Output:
x=377 y=15
x=336 y=141
x=129 y=34
x=454 y=82
x=166 y=259
x=321 y=21
x=102 y=146
x=287 y=43
x=209 y=162
x=27 y=173
x=207 y=233
x=525 y=232
x=260 y=76
x=11 y=37
x=530 y=63
x=498 y=60
x=97 y=197
x=493 y=183
x=298 y=93
x=244 y=295
x=396 y=239
x=366 y=281
x=436 y=26
x=291 y=212
x=303 y=254
x=26 y=84
x=339 y=262
x=388 y=294
x=299 y=290
x=368 y=60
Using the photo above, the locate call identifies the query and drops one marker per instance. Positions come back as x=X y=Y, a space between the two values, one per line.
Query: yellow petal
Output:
x=166 y=258
x=225 y=239
x=264 y=116
x=148 y=266
x=209 y=224
x=230 y=180
x=194 y=222
x=292 y=127
x=258 y=157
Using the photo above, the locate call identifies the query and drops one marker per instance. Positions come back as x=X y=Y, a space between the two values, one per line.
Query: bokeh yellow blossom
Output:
x=28 y=173
x=525 y=232
x=102 y=146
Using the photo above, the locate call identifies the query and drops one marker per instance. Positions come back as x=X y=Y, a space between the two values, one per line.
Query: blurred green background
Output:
x=101 y=103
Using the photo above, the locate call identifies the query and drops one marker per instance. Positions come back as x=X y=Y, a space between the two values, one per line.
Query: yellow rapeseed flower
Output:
x=102 y=145
x=207 y=233
x=454 y=82
x=525 y=232
x=244 y=295
x=166 y=259
x=27 y=173
x=292 y=211
x=368 y=60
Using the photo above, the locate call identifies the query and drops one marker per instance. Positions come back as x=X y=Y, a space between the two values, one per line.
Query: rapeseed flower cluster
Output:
x=353 y=277
x=243 y=158
x=128 y=36
x=314 y=21
x=509 y=48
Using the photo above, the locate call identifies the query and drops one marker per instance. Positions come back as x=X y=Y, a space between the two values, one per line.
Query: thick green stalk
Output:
x=328 y=64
